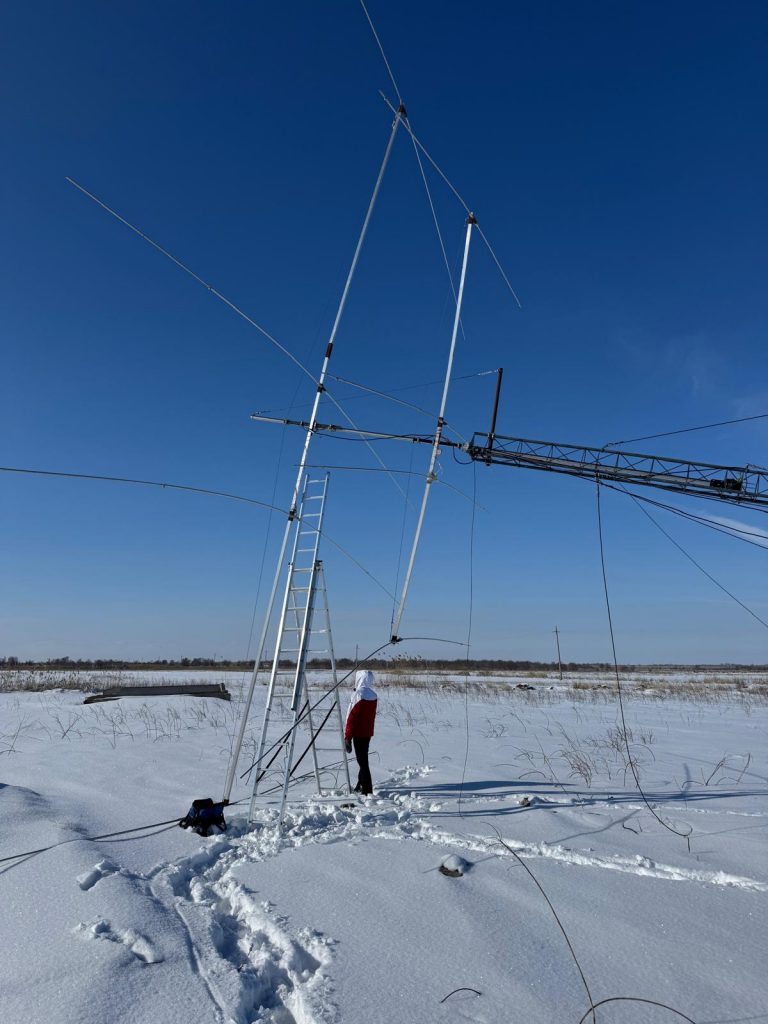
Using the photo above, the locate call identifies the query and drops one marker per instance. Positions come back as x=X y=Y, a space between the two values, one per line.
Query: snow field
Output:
x=346 y=915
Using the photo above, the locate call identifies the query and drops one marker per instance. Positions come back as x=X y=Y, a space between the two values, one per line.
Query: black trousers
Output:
x=364 y=783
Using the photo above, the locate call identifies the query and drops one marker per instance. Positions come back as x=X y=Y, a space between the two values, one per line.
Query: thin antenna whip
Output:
x=438 y=432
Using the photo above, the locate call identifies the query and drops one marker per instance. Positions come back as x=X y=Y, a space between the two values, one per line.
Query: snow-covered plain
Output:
x=346 y=917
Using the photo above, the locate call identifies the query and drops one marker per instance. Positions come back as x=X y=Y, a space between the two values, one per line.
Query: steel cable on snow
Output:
x=158 y=825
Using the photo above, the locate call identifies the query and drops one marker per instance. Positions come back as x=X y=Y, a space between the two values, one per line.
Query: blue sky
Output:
x=615 y=155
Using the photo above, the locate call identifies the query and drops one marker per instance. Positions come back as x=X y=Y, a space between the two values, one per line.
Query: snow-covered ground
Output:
x=345 y=917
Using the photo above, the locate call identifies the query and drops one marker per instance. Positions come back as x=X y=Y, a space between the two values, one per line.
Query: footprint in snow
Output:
x=134 y=942
x=101 y=870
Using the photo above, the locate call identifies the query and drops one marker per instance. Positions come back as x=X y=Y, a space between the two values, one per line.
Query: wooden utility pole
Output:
x=559 y=662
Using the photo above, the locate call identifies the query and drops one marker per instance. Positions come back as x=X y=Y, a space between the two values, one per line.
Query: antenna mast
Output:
x=304 y=455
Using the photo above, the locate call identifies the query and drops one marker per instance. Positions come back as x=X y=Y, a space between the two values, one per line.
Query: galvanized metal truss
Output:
x=740 y=485
x=737 y=485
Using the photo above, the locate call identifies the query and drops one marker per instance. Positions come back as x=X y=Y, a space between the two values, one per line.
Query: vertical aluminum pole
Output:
x=438 y=433
x=303 y=461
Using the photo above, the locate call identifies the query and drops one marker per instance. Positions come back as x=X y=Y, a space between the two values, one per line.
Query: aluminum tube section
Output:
x=231 y=771
x=438 y=432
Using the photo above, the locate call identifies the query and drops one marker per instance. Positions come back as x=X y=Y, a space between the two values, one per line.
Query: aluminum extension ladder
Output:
x=294 y=708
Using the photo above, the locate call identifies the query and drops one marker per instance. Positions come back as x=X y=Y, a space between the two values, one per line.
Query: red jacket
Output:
x=360 y=720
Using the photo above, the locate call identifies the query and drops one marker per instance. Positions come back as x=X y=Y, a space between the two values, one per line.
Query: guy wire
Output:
x=619 y=691
x=736 y=532
x=698 y=565
x=689 y=430
x=231 y=305
x=383 y=54
x=386 y=394
x=197 y=490
x=470 y=613
x=458 y=195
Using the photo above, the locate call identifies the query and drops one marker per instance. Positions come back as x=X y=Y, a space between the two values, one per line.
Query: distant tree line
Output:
x=489 y=666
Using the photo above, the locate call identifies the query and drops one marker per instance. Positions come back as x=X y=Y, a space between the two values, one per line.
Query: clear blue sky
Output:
x=616 y=156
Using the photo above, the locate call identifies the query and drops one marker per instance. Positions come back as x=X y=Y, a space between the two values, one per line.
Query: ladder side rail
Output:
x=301 y=654
x=304 y=687
x=299 y=679
x=288 y=763
x=299 y=682
x=285 y=608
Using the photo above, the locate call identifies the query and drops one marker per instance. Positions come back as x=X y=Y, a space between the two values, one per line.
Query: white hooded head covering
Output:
x=363 y=687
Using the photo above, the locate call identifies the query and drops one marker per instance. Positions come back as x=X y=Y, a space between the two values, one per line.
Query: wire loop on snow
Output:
x=635 y=999
x=463 y=989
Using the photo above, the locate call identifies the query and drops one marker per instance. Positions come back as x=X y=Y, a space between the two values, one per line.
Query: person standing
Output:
x=359 y=727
